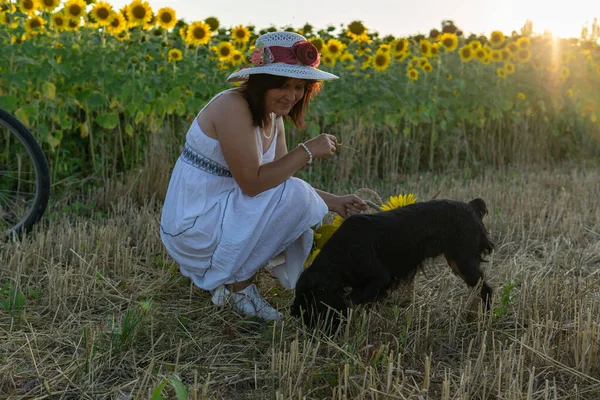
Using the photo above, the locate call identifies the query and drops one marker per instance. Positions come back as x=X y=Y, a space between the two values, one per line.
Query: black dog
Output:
x=371 y=254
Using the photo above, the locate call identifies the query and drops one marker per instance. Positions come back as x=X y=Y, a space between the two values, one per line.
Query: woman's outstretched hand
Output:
x=322 y=146
x=347 y=205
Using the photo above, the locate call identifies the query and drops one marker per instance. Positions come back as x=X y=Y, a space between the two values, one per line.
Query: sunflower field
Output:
x=97 y=84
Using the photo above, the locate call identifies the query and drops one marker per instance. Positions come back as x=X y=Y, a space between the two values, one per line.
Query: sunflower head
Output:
x=449 y=41
x=139 y=12
x=524 y=55
x=317 y=42
x=425 y=47
x=198 y=33
x=334 y=47
x=174 y=55
x=166 y=18
x=224 y=51
x=49 y=5
x=412 y=74
x=509 y=67
x=381 y=60
x=564 y=73
x=521 y=96
x=29 y=6
x=400 y=200
x=399 y=46
x=213 y=23
x=357 y=32
x=75 y=8
x=501 y=72
x=34 y=25
x=434 y=34
x=497 y=38
x=240 y=34
x=466 y=53
x=102 y=12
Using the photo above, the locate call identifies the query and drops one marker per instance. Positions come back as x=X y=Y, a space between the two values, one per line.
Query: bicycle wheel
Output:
x=24 y=177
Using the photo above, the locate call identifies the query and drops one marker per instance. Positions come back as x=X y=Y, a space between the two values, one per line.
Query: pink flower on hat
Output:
x=258 y=56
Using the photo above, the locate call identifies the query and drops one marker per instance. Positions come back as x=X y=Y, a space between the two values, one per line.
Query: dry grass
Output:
x=104 y=312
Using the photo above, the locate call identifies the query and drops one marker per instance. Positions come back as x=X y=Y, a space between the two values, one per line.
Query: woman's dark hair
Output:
x=255 y=89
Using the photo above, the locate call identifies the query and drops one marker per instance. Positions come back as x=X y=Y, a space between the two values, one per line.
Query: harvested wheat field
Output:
x=92 y=307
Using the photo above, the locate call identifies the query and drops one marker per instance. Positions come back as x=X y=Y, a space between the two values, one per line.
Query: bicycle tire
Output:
x=42 y=174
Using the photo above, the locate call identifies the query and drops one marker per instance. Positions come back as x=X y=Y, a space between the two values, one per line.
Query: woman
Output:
x=232 y=203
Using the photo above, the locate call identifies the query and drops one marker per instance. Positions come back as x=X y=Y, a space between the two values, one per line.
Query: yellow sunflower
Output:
x=9 y=19
x=75 y=8
x=497 y=38
x=475 y=45
x=481 y=54
x=240 y=34
x=236 y=58
x=425 y=47
x=198 y=33
x=317 y=42
x=356 y=30
x=513 y=47
x=29 y=6
x=166 y=18
x=564 y=73
x=401 y=56
x=521 y=96
x=334 y=48
x=501 y=72
x=174 y=55
x=381 y=60
x=523 y=43
x=347 y=59
x=117 y=24
x=139 y=13
x=367 y=63
x=435 y=50
x=34 y=25
x=496 y=56
x=413 y=74
x=102 y=12
x=328 y=60
x=427 y=68
x=399 y=46
x=58 y=20
x=73 y=24
x=224 y=51
x=506 y=55
x=466 y=53
x=509 y=67
x=524 y=55
x=449 y=41
x=399 y=201
x=569 y=93
x=49 y=5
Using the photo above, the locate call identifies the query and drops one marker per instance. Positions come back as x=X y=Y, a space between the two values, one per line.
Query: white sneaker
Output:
x=249 y=301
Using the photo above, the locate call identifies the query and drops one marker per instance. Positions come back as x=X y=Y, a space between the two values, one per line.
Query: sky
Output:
x=397 y=17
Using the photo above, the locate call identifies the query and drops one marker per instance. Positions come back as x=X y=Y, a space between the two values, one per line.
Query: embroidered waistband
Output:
x=204 y=163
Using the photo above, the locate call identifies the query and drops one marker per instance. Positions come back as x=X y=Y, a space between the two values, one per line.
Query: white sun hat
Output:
x=284 y=54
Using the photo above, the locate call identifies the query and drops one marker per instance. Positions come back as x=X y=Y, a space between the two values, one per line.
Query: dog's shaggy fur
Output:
x=371 y=254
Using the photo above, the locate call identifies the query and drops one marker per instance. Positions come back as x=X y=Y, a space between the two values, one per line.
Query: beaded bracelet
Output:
x=308 y=151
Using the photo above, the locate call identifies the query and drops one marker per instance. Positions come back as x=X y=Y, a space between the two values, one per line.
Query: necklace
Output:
x=271 y=130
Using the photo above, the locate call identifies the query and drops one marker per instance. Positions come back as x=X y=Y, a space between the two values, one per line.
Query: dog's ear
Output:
x=479 y=206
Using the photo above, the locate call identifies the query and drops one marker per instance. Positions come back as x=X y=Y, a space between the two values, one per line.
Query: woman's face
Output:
x=281 y=100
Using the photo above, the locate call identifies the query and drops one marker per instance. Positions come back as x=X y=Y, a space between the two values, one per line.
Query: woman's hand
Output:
x=322 y=146
x=347 y=205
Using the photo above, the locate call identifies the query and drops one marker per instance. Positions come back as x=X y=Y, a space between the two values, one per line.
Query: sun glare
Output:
x=563 y=19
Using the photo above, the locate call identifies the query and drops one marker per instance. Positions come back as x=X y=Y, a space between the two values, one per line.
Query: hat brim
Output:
x=283 y=69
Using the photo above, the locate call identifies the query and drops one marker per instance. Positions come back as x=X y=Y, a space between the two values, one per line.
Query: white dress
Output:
x=217 y=234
